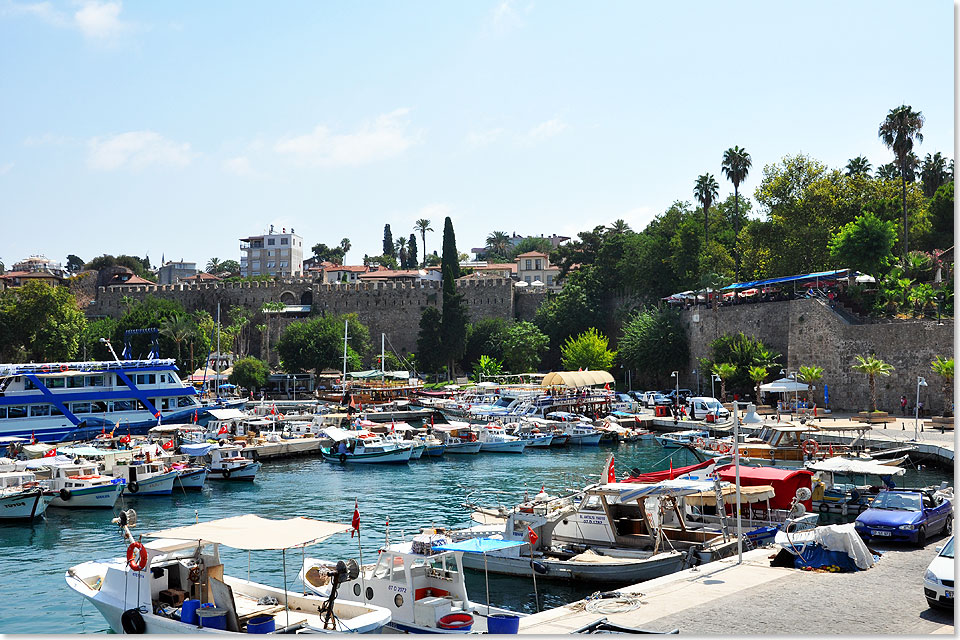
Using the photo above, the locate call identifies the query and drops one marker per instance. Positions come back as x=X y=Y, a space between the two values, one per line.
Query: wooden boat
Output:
x=22 y=497
x=78 y=483
x=362 y=447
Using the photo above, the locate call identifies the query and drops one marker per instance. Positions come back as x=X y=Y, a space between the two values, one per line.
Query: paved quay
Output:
x=723 y=598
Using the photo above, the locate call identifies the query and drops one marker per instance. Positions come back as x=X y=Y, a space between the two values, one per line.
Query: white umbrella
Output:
x=523 y=284
x=784 y=385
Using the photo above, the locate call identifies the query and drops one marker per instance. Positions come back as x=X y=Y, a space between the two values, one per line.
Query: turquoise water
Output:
x=35 y=599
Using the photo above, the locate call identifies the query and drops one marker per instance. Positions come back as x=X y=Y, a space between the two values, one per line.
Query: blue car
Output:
x=905 y=515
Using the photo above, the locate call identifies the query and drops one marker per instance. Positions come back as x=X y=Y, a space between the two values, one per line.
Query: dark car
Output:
x=905 y=515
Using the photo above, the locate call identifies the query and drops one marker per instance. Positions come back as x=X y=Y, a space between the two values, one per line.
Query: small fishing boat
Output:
x=22 y=497
x=458 y=438
x=421 y=583
x=362 y=447
x=433 y=446
x=143 y=477
x=582 y=433
x=189 y=476
x=78 y=483
x=159 y=585
x=494 y=439
x=228 y=463
x=849 y=498
x=680 y=439
x=530 y=434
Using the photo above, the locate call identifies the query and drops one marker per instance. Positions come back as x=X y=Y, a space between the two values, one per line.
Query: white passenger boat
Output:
x=78 y=483
x=143 y=477
x=581 y=433
x=494 y=439
x=362 y=447
x=133 y=593
x=22 y=497
x=532 y=436
x=421 y=584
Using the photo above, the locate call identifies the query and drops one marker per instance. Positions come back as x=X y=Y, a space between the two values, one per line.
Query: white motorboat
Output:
x=494 y=439
x=228 y=463
x=582 y=433
x=680 y=439
x=532 y=436
x=143 y=477
x=158 y=586
x=362 y=447
x=78 y=483
x=22 y=497
x=458 y=438
x=422 y=585
x=189 y=476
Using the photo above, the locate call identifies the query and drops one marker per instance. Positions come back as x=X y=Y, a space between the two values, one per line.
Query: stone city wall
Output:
x=808 y=332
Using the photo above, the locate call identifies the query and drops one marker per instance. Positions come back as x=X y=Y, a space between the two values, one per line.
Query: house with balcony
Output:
x=534 y=269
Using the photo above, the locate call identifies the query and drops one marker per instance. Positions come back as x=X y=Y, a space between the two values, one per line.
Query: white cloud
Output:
x=97 y=21
x=477 y=139
x=240 y=166
x=546 y=130
x=385 y=137
x=5 y=168
x=136 y=150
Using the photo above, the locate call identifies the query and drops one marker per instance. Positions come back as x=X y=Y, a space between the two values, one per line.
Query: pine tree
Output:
x=412 y=252
x=453 y=326
x=388 y=248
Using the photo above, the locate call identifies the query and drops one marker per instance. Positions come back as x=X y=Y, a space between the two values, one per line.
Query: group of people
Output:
x=908 y=410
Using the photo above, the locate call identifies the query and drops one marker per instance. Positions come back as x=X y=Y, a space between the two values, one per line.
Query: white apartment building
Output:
x=534 y=267
x=172 y=272
x=273 y=254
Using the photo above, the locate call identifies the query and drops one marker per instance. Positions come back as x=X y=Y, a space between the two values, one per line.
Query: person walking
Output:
x=903 y=405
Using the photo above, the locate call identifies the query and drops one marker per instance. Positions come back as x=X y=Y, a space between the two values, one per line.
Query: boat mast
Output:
x=217 y=381
x=345 y=338
x=382 y=366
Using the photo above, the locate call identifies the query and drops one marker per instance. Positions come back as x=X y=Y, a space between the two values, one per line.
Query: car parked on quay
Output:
x=938 y=579
x=905 y=515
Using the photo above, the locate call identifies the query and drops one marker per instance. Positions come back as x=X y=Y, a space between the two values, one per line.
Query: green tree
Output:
x=323 y=253
x=706 y=191
x=743 y=352
x=736 y=167
x=572 y=310
x=654 y=343
x=39 y=323
x=213 y=265
x=898 y=131
x=757 y=374
x=453 y=325
x=344 y=247
x=423 y=225
x=388 y=262
x=523 y=347
x=429 y=348
x=810 y=375
x=943 y=367
x=400 y=245
x=725 y=371
x=90 y=346
x=178 y=328
x=941 y=216
x=389 y=249
x=317 y=344
x=498 y=245
x=228 y=267
x=413 y=261
x=933 y=173
x=530 y=243
x=74 y=264
x=858 y=167
x=270 y=311
x=147 y=313
x=866 y=244
x=872 y=367
x=250 y=373
x=587 y=351
x=619 y=227
x=486 y=367
x=485 y=336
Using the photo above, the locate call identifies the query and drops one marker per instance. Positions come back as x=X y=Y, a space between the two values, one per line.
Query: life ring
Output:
x=714 y=446
x=723 y=448
x=65 y=494
x=134 y=487
x=226 y=474
x=698 y=442
x=64 y=367
x=132 y=622
x=136 y=556
x=810 y=447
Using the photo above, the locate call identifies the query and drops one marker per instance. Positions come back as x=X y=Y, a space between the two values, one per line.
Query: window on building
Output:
x=271 y=264
x=284 y=240
x=538 y=264
x=528 y=263
x=549 y=280
x=271 y=242
x=284 y=263
x=527 y=278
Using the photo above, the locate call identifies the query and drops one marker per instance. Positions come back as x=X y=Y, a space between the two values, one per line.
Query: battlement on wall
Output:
x=287 y=283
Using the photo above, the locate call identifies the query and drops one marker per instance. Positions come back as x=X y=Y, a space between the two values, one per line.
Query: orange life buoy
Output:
x=136 y=556
x=723 y=448
x=714 y=446
x=810 y=447
x=698 y=442
x=63 y=367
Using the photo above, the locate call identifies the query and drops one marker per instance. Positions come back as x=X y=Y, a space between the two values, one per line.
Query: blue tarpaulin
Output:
x=197 y=449
x=820 y=275
x=479 y=545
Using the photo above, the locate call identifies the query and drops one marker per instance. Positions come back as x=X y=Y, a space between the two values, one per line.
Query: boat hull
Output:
x=434 y=451
x=159 y=485
x=618 y=572
x=397 y=456
x=589 y=439
x=516 y=446
x=464 y=447
x=193 y=479
x=245 y=473
x=102 y=496
x=24 y=506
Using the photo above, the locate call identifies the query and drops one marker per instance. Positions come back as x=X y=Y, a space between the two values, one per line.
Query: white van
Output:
x=700 y=406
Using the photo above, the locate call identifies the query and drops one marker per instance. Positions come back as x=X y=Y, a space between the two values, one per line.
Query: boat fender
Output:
x=65 y=494
x=136 y=556
x=134 y=487
x=226 y=473
x=854 y=496
x=824 y=507
x=539 y=567
x=132 y=622
x=343 y=458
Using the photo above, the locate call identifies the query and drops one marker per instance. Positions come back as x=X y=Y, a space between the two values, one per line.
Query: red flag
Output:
x=222 y=430
x=392 y=426
x=33 y=438
x=611 y=474
x=103 y=430
x=431 y=419
x=355 y=523
x=273 y=409
x=671 y=468
x=606 y=387
x=51 y=454
x=196 y=417
x=168 y=445
x=532 y=536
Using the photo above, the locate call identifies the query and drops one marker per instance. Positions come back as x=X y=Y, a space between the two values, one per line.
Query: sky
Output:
x=173 y=129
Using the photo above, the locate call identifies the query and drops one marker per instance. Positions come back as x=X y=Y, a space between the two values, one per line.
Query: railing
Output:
x=102 y=365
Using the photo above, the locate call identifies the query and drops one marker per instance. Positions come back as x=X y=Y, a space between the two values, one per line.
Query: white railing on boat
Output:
x=103 y=365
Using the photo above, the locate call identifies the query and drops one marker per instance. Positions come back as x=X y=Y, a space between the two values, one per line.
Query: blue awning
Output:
x=821 y=275
x=479 y=545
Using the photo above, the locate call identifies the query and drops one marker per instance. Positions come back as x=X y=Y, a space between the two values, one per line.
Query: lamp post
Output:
x=796 y=404
x=916 y=408
x=110 y=346
x=697 y=373
x=713 y=379
x=676 y=400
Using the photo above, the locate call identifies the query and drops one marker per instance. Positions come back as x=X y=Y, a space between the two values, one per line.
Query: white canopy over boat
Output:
x=677 y=487
x=847 y=465
x=226 y=414
x=784 y=385
x=577 y=378
x=760 y=493
x=252 y=533
x=337 y=434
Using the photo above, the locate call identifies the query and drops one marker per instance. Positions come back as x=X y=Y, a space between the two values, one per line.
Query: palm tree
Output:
x=858 y=167
x=898 y=131
x=888 y=171
x=944 y=368
x=619 y=227
x=423 y=225
x=498 y=242
x=178 y=328
x=933 y=173
x=873 y=367
x=725 y=370
x=736 y=166
x=706 y=190
x=811 y=375
x=213 y=265
x=758 y=375
x=344 y=246
x=269 y=311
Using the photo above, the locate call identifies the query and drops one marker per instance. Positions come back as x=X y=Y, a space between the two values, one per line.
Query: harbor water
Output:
x=429 y=492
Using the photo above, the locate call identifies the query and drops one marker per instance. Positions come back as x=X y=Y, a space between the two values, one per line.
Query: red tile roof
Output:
x=202 y=275
x=532 y=254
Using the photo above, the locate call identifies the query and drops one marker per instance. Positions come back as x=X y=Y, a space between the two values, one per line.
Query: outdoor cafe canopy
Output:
x=577 y=378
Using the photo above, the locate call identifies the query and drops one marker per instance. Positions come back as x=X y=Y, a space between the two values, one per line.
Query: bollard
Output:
x=903 y=427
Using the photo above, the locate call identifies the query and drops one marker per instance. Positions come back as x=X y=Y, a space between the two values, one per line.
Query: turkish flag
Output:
x=533 y=536
x=611 y=475
x=606 y=387
x=222 y=430
x=168 y=444
x=355 y=523
x=51 y=454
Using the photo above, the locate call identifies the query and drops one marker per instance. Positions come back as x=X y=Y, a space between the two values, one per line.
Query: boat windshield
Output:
x=947 y=551
x=897 y=500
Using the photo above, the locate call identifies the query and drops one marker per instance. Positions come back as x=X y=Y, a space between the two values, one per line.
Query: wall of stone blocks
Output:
x=807 y=332
x=526 y=303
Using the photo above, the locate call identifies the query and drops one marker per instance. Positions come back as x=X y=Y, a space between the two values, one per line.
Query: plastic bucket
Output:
x=261 y=624
x=457 y=621
x=188 y=611
x=503 y=623
x=212 y=617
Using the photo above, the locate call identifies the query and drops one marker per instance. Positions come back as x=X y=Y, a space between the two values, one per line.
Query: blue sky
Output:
x=176 y=128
